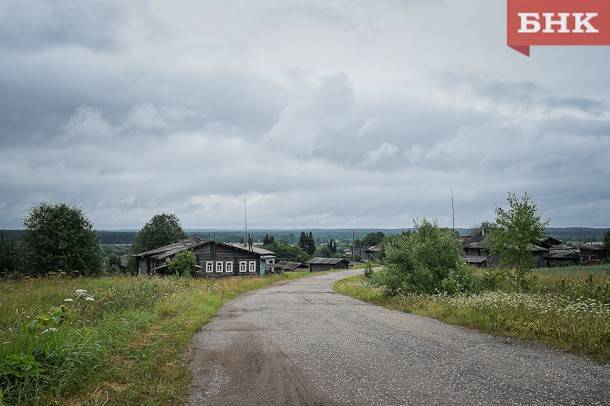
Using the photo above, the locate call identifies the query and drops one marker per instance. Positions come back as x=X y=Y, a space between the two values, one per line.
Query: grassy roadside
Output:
x=121 y=342
x=564 y=320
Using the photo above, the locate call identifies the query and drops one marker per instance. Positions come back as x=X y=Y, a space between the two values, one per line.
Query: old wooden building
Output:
x=324 y=264
x=213 y=258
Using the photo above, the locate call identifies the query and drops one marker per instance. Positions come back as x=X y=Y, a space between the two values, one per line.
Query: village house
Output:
x=324 y=264
x=477 y=252
x=213 y=258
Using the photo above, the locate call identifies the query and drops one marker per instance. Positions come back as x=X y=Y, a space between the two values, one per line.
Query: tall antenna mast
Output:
x=245 y=222
x=452 y=212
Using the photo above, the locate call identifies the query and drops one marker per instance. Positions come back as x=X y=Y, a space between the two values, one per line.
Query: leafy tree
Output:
x=162 y=229
x=514 y=232
x=324 y=252
x=288 y=252
x=428 y=260
x=607 y=240
x=183 y=264
x=372 y=239
x=61 y=238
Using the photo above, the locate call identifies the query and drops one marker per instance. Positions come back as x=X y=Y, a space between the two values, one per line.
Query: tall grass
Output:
x=567 y=308
x=123 y=345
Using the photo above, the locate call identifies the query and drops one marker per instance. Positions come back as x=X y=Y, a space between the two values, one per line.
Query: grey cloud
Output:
x=32 y=25
x=325 y=115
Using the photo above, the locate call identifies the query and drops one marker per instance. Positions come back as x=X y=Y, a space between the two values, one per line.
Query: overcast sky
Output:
x=325 y=113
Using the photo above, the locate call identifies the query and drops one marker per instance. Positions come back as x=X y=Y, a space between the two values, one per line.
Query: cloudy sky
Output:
x=325 y=113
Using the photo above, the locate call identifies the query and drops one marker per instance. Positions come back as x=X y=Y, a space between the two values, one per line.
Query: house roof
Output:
x=172 y=249
x=326 y=261
x=288 y=265
x=255 y=249
x=474 y=242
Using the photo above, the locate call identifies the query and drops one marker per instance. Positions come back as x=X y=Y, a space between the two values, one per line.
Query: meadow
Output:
x=108 y=340
x=568 y=308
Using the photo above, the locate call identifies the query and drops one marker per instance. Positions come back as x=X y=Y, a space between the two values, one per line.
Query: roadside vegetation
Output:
x=108 y=340
x=424 y=274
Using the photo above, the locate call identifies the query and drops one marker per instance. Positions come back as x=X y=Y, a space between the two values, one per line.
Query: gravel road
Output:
x=301 y=344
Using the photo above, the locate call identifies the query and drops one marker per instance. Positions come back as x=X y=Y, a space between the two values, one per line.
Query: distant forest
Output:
x=571 y=234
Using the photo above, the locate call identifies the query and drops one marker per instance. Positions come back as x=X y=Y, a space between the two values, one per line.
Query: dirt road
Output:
x=302 y=344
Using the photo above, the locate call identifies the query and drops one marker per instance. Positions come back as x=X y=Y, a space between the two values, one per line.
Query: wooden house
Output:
x=324 y=264
x=285 y=266
x=477 y=252
x=214 y=259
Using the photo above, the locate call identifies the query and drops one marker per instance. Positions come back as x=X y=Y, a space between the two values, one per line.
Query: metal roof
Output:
x=327 y=261
x=255 y=249
x=184 y=245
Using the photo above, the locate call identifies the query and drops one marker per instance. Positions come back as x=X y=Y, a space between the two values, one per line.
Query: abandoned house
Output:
x=213 y=258
x=324 y=264
x=286 y=266
x=477 y=253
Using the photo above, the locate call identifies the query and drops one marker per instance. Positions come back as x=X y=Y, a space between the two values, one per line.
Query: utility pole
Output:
x=452 y=212
x=353 y=245
x=246 y=239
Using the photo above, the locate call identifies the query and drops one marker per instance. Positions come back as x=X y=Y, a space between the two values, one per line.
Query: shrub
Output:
x=183 y=264
x=426 y=261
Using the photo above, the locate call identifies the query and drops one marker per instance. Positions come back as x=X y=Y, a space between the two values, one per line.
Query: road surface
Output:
x=301 y=344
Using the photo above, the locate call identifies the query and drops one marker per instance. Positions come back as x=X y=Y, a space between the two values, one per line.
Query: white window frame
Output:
x=209 y=266
x=219 y=266
x=243 y=266
x=252 y=266
x=229 y=267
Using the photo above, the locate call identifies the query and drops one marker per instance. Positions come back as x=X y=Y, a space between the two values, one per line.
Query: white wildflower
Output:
x=90 y=299
x=68 y=300
x=50 y=330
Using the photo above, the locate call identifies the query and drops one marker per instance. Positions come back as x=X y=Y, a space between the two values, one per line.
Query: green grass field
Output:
x=564 y=307
x=121 y=342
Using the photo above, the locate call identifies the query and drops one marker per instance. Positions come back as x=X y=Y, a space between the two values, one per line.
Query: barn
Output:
x=214 y=259
x=324 y=264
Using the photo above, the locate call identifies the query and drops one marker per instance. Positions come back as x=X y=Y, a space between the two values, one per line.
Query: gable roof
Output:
x=255 y=249
x=174 y=248
x=169 y=250
x=326 y=261
x=289 y=265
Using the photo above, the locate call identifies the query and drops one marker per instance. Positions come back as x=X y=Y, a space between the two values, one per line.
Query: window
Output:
x=252 y=266
x=243 y=266
x=209 y=266
x=219 y=266
x=229 y=267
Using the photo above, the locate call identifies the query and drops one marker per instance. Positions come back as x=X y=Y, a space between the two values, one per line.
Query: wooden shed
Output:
x=324 y=264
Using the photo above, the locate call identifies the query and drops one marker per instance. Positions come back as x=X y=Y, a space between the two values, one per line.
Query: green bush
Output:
x=183 y=264
x=428 y=260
